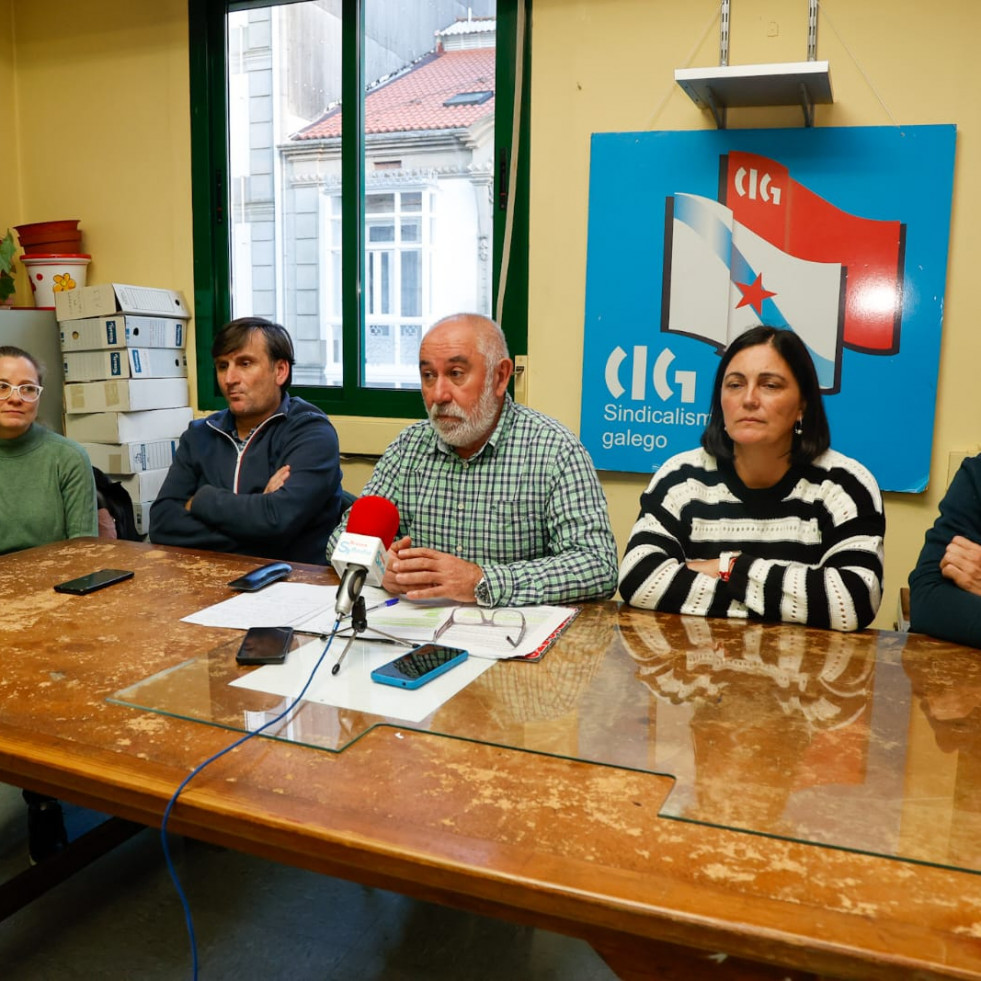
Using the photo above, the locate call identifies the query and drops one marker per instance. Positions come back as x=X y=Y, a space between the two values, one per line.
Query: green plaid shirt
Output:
x=527 y=508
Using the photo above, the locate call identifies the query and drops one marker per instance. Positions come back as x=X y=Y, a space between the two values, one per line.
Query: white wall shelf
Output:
x=718 y=88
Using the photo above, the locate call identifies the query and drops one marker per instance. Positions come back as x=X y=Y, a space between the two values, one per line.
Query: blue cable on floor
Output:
x=217 y=756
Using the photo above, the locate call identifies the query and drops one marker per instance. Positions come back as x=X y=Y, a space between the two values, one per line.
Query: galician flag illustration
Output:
x=764 y=198
x=724 y=279
x=774 y=252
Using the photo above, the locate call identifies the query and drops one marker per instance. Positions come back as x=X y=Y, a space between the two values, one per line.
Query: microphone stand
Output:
x=359 y=623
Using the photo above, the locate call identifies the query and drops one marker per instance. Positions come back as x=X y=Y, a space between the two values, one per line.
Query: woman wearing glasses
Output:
x=57 y=489
x=52 y=498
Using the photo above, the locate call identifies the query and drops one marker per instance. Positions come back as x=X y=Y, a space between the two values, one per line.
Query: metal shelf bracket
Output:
x=803 y=83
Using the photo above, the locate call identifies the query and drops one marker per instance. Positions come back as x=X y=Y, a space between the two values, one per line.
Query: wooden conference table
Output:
x=667 y=788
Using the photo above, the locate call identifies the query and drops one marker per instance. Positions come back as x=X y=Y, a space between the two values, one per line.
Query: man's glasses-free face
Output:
x=26 y=393
x=511 y=623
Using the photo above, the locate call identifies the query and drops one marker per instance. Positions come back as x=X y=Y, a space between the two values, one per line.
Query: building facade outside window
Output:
x=428 y=178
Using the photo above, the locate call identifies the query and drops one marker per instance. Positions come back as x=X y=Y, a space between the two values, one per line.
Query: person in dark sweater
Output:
x=945 y=586
x=764 y=521
x=262 y=477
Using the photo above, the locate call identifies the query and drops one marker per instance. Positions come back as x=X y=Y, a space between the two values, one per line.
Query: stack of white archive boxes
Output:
x=124 y=352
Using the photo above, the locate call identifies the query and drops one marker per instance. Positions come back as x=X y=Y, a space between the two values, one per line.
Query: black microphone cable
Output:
x=188 y=920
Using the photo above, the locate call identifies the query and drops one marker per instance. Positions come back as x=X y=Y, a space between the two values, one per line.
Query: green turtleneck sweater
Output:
x=47 y=491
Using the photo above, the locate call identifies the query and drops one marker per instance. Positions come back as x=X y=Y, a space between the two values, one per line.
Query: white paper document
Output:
x=352 y=687
x=283 y=604
x=311 y=609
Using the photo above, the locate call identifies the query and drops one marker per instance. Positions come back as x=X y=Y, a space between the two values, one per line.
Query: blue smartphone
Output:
x=419 y=666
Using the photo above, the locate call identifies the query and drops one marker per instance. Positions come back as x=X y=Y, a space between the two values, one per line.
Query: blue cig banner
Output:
x=839 y=234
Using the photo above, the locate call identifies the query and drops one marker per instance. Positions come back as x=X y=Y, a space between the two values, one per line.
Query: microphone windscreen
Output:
x=376 y=517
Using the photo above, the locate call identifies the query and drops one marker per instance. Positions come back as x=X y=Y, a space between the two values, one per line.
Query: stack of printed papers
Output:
x=310 y=609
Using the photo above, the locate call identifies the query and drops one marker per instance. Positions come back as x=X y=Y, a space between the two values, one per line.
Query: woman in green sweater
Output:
x=55 y=499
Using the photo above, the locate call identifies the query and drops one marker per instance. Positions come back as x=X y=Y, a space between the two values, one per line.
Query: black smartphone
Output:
x=259 y=578
x=265 y=645
x=419 y=666
x=93 y=581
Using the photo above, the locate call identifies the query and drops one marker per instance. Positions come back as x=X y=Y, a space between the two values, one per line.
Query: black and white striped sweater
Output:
x=810 y=546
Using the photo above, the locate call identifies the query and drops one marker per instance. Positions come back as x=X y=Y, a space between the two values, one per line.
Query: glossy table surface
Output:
x=789 y=796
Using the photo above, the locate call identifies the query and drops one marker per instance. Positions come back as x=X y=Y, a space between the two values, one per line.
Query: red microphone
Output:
x=376 y=517
x=361 y=553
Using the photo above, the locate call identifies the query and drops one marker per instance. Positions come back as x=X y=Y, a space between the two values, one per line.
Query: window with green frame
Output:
x=359 y=170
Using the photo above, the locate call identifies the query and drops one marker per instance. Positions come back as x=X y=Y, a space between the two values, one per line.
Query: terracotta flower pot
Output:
x=66 y=246
x=52 y=237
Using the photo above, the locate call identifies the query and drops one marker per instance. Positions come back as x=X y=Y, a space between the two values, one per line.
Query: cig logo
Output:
x=685 y=380
x=756 y=186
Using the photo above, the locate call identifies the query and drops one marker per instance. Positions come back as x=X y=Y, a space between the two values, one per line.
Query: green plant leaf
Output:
x=7 y=252
x=7 y=286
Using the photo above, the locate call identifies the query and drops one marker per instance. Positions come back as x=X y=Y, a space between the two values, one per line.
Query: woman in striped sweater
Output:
x=764 y=521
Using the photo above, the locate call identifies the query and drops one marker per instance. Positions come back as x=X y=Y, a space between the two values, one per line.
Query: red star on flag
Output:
x=754 y=294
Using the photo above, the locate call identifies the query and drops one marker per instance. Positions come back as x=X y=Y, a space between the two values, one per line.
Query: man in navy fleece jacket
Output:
x=261 y=477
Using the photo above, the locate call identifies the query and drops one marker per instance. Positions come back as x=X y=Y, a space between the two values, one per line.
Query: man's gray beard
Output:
x=473 y=427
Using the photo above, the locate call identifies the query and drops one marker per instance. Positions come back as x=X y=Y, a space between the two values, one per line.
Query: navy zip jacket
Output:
x=229 y=512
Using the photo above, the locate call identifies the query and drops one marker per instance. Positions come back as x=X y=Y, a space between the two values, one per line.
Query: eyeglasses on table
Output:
x=509 y=621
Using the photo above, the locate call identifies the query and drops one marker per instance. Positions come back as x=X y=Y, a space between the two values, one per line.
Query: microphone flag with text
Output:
x=361 y=553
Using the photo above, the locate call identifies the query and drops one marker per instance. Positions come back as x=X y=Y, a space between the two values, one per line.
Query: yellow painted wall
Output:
x=607 y=65
x=101 y=120
x=104 y=132
x=9 y=185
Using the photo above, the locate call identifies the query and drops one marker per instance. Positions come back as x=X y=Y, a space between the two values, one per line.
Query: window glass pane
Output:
x=428 y=201
x=284 y=73
x=379 y=203
x=378 y=343
x=381 y=233
x=409 y=348
x=411 y=284
x=438 y=190
x=385 y=260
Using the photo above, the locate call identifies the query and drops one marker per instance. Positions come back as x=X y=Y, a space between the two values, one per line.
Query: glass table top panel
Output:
x=869 y=742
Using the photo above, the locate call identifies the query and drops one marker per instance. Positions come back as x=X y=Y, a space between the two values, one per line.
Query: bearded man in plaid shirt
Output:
x=498 y=504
